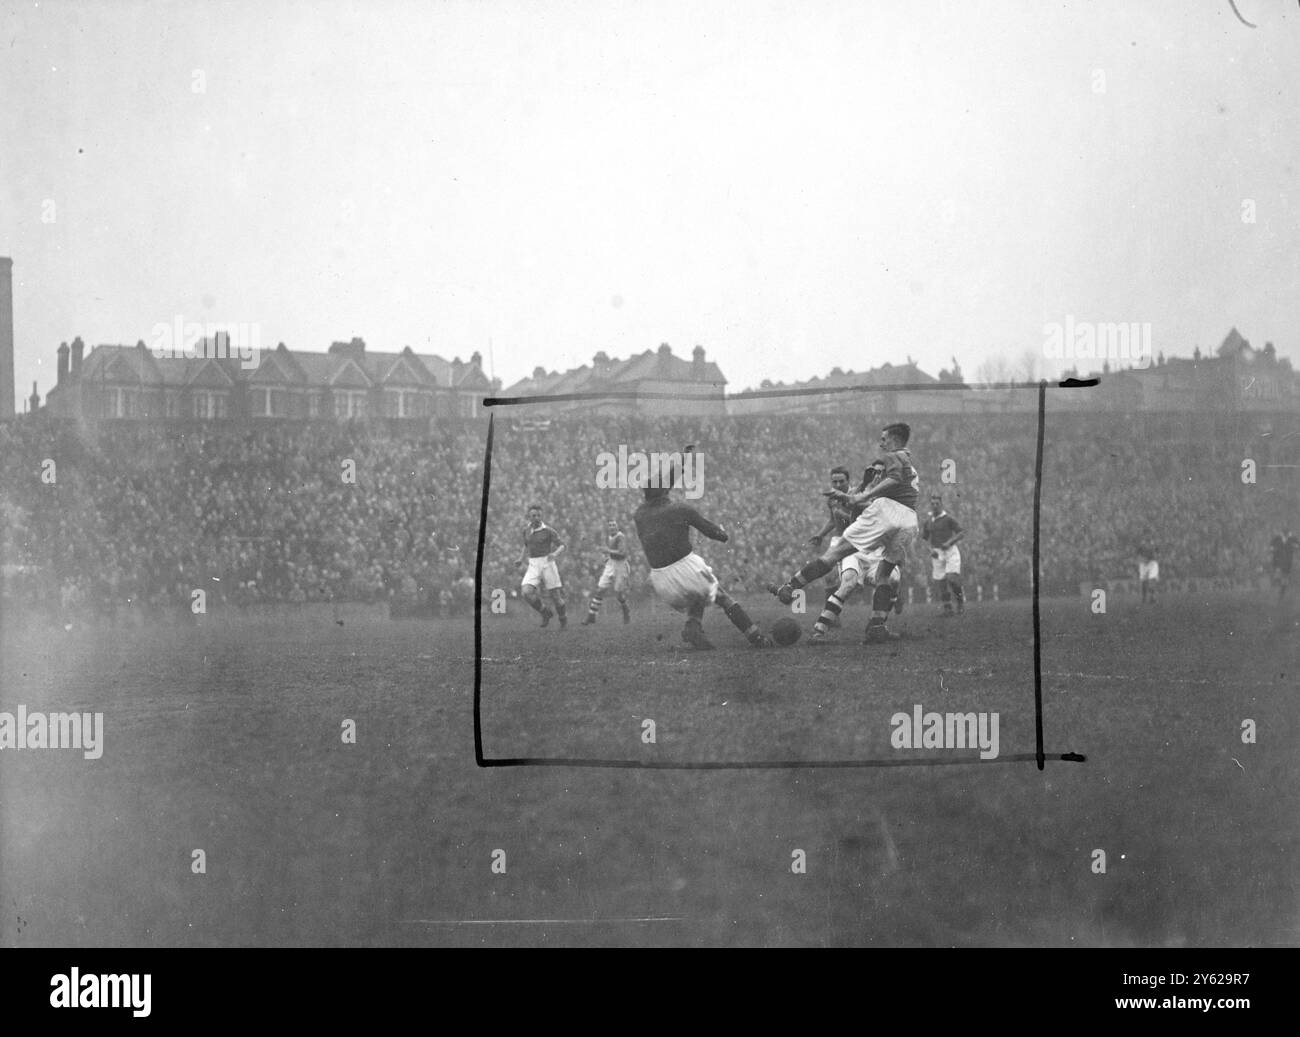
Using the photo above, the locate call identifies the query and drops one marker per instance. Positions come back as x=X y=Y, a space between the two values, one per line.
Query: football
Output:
x=785 y=632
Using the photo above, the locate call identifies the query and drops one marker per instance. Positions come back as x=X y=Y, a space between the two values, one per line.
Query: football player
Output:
x=836 y=522
x=942 y=532
x=682 y=579
x=883 y=533
x=616 y=573
x=849 y=572
x=1284 y=546
x=541 y=547
x=1148 y=572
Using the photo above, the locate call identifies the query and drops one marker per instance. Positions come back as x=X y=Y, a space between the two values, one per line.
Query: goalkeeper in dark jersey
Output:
x=682 y=579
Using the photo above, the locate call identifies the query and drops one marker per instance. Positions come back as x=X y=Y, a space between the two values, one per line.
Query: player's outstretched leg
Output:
x=593 y=607
x=830 y=617
x=832 y=584
x=693 y=632
x=557 y=596
x=813 y=570
x=834 y=606
x=741 y=621
x=882 y=602
x=958 y=595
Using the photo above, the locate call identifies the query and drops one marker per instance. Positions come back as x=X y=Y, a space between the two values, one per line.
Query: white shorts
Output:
x=688 y=581
x=615 y=574
x=1149 y=570
x=944 y=562
x=542 y=572
x=836 y=575
x=882 y=533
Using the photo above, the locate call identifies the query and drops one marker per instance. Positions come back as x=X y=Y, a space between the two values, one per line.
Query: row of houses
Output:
x=218 y=382
x=348 y=381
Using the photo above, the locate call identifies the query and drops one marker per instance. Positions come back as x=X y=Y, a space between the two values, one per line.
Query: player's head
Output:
x=655 y=492
x=895 y=436
x=611 y=525
x=840 y=478
x=936 y=504
x=535 y=514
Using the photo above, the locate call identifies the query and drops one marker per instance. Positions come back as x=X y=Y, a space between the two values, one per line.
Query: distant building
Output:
x=1236 y=378
x=653 y=382
x=348 y=381
x=849 y=391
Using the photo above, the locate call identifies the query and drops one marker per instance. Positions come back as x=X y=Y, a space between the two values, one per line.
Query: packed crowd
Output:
x=145 y=515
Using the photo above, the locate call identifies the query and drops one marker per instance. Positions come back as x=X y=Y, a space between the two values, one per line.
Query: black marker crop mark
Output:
x=1038 y=634
x=1038 y=756
x=1249 y=25
x=478 y=599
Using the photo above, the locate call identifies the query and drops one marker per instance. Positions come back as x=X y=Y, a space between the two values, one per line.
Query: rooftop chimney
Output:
x=697 y=363
x=34 y=399
x=63 y=362
x=78 y=351
x=6 y=338
x=354 y=350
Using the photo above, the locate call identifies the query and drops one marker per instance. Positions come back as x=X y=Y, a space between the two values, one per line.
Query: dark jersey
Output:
x=664 y=528
x=842 y=516
x=898 y=466
x=1283 y=551
x=1146 y=554
x=939 y=529
x=617 y=546
x=541 y=541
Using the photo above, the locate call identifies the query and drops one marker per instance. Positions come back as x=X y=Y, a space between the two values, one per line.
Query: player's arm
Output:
x=875 y=490
x=816 y=539
x=709 y=529
x=557 y=546
x=953 y=539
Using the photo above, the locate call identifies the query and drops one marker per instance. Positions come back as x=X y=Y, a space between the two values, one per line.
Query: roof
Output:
x=352 y=367
x=609 y=373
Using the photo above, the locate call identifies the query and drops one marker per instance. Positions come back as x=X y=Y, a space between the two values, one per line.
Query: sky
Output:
x=793 y=186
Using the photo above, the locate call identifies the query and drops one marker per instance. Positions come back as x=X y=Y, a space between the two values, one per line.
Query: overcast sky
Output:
x=794 y=186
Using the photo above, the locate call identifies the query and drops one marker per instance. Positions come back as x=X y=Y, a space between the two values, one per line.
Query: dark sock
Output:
x=559 y=608
x=834 y=606
x=594 y=607
x=740 y=619
x=534 y=604
x=882 y=600
x=814 y=570
x=958 y=593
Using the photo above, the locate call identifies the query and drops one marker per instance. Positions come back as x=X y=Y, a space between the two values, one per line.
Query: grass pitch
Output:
x=226 y=736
